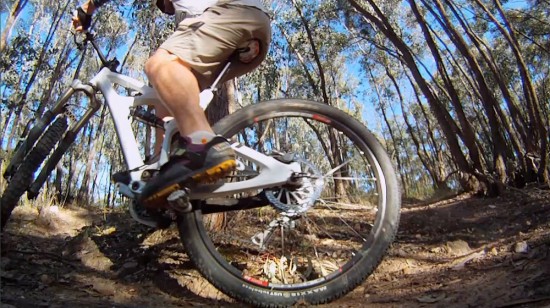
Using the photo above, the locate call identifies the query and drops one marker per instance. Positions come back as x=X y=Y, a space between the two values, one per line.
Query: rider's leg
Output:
x=178 y=88
x=161 y=112
x=200 y=155
x=187 y=62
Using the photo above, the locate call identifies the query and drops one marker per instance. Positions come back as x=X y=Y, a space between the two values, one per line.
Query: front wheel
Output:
x=23 y=177
x=321 y=235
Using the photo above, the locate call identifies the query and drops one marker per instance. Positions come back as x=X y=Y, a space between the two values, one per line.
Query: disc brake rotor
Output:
x=298 y=197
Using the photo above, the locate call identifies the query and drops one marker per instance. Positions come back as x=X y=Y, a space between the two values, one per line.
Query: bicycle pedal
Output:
x=179 y=201
x=215 y=173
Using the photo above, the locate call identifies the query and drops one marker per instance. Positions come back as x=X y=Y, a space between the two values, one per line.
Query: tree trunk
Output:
x=58 y=181
x=20 y=98
x=16 y=9
x=429 y=164
x=16 y=124
x=382 y=105
x=222 y=105
x=5 y=125
x=487 y=99
x=540 y=133
x=54 y=77
x=443 y=117
x=467 y=130
x=82 y=195
x=42 y=56
x=520 y=132
x=321 y=72
x=93 y=142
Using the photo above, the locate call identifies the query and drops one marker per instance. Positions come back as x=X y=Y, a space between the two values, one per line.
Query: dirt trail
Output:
x=458 y=252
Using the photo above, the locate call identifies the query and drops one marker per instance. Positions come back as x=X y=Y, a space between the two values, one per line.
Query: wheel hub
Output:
x=300 y=192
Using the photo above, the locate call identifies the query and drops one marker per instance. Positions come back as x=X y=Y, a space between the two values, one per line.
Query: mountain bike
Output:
x=309 y=212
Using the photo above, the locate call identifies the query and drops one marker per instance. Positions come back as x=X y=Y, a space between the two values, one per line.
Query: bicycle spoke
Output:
x=317 y=225
x=331 y=172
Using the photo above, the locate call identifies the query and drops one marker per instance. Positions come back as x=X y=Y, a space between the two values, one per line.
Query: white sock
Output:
x=201 y=137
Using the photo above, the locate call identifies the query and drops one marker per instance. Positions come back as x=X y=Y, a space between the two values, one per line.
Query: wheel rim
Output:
x=270 y=248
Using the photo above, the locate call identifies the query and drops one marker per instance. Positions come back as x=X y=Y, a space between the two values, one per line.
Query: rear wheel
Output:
x=23 y=175
x=319 y=236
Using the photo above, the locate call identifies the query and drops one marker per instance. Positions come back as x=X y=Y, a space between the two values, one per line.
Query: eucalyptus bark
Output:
x=540 y=133
x=428 y=161
x=390 y=129
x=466 y=128
x=13 y=15
x=58 y=16
x=383 y=25
x=488 y=100
x=222 y=105
x=322 y=89
x=92 y=158
x=516 y=133
x=7 y=121
x=321 y=72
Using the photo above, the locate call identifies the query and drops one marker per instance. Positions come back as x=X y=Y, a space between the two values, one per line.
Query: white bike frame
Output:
x=271 y=171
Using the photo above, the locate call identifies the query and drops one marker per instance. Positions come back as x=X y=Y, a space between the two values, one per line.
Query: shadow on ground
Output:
x=458 y=252
x=112 y=263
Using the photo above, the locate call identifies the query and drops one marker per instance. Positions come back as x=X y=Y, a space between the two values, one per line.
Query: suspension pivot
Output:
x=179 y=201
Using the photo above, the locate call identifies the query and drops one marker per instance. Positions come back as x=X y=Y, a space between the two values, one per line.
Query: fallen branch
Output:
x=461 y=262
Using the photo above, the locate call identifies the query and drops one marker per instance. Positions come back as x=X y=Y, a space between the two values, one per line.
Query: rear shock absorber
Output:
x=147 y=117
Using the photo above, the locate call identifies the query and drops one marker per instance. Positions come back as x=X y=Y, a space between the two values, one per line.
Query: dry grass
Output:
x=44 y=217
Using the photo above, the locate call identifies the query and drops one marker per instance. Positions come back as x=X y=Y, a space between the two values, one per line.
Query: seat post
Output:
x=207 y=95
x=222 y=73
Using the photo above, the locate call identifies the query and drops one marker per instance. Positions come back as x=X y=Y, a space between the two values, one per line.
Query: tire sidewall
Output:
x=194 y=236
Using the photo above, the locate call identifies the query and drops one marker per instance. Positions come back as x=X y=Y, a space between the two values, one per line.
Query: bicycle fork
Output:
x=58 y=109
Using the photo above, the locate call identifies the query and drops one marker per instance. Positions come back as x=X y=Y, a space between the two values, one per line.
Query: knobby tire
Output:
x=228 y=279
x=24 y=175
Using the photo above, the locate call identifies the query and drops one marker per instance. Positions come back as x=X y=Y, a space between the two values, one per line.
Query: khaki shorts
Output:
x=206 y=42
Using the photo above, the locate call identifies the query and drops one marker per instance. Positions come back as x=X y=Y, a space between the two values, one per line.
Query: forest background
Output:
x=457 y=91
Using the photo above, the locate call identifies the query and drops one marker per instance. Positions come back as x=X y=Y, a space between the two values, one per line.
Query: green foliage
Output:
x=322 y=50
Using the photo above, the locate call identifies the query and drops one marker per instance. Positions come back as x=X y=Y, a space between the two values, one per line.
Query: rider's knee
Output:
x=153 y=65
x=160 y=61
